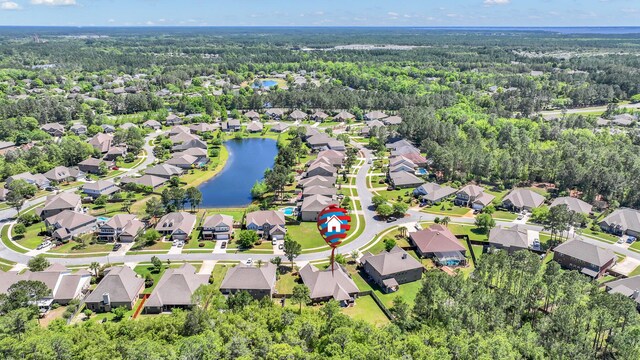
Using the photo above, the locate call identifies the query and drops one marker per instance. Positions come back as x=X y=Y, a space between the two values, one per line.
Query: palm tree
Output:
x=354 y=255
x=95 y=266
x=445 y=220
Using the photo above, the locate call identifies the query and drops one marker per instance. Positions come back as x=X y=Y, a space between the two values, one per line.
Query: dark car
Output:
x=223 y=245
x=117 y=247
x=391 y=219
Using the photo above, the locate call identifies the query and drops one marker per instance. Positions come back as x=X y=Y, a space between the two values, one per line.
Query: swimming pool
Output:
x=288 y=211
x=421 y=171
x=102 y=219
x=265 y=84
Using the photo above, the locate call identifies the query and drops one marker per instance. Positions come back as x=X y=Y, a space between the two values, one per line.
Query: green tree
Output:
x=291 y=250
x=119 y=313
x=247 y=238
x=384 y=210
x=378 y=200
x=389 y=244
x=100 y=201
x=194 y=197
x=157 y=264
x=95 y=267
x=484 y=222
x=277 y=261
x=19 y=229
x=87 y=313
x=400 y=209
x=154 y=208
x=300 y=295
x=259 y=189
x=38 y=263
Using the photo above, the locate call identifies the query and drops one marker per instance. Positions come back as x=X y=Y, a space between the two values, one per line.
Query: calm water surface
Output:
x=248 y=159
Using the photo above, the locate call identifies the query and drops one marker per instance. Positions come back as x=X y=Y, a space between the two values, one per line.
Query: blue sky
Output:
x=321 y=12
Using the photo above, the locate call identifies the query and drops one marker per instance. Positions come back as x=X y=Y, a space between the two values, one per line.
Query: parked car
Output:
x=223 y=245
x=249 y=261
x=44 y=245
x=391 y=219
x=476 y=212
x=520 y=217
x=630 y=240
x=274 y=242
x=620 y=241
x=117 y=247
x=280 y=247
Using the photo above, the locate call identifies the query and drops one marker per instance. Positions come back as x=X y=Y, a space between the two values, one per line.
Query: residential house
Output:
x=319 y=141
x=152 y=124
x=405 y=150
x=166 y=171
x=179 y=129
x=201 y=154
x=76 y=173
x=182 y=137
x=328 y=191
x=183 y=161
x=433 y=193
x=145 y=180
x=375 y=115
x=78 y=129
x=403 y=180
x=415 y=158
x=343 y=116
x=391 y=269
x=513 y=238
x=55 y=204
x=401 y=167
x=522 y=199
x=317 y=180
x=115 y=152
x=175 y=289
x=319 y=116
x=53 y=129
x=217 y=227
x=108 y=129
x=63 y=285
x=321 y=169
x=38 y=180
x=120 y=287
x=255 y=127
x=269 y=224
x=573 y=204
x=312 y=205
x=398 y=144
x=629 y=287
x=68 y=224
x=279 y=127
x=252 y=115
x=275 y=113
x=101 y=187
x=392 y=120
x=176 y=225
x=259 y=282
x=297 y=115
x=474 y=196
x=202 y=127
x=584 y=257
x=438 y=242
x=231 y=125
x=101 y=142
x=121 y=227
x=59 y=174
x=622 y=221
x=193 y=143
x=337 y=145
x=328 y=284
x=172 y=120
x=335 y=158
x=624 y=119
x=127 y=126
x=93 y=166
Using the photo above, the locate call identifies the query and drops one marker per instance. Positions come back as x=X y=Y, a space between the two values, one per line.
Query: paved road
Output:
x=588 y=109
x=372 y=228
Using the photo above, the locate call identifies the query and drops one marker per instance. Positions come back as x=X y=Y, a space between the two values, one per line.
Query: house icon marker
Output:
x=334 y=224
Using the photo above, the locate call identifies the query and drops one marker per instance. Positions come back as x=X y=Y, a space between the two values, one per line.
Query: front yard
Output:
x=446 y=208
x=144 y=270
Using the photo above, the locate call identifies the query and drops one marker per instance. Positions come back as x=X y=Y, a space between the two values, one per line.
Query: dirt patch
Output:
x=52 y=315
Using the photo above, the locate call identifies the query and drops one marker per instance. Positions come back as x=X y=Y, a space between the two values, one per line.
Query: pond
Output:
x=248 y=159
x=265 y=84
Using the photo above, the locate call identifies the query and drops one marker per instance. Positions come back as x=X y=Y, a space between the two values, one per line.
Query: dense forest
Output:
x=513 y=307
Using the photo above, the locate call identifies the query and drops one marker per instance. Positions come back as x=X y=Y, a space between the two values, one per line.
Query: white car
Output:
x=274 y=242
x=44 y=245
x=249 y=261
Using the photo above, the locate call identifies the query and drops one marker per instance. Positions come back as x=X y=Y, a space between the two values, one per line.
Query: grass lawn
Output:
x=498 y=194
x=635 y=246
x=306 y=233
x=194 y=244
x=30 y=239
x=635 y=272
x=366 y=310
x=6 y=265
x=446 y=208
x=504 y=215
x=407 y=292
x=98 y=317
x=471 y=231
x=286 y=282
x=608 y=238
x=159 y=245
x=392 y=195
x=144 y=270
x=219 y=271
x=236 y=213
x=68 y=248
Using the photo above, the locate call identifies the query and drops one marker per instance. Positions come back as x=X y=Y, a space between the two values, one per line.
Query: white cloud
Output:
x=497 y=2
x=54 y=2
x=9 y=5
x=392 y=13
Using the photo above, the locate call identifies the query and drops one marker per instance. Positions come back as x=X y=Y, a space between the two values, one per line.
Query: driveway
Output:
x=626 y=266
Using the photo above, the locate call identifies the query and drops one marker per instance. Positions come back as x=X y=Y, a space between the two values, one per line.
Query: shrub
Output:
x=201 y=244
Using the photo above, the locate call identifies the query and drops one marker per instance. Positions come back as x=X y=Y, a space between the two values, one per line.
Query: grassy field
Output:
x=30 y=239
x=286 y=282
x=68 y=248
x=446 y=208
x=392 y=195
x=6 y=265
x=608 y=238
x=366 y=310
x=219 y=271
x=471 y=231
x=144 y=270
x=504 y=215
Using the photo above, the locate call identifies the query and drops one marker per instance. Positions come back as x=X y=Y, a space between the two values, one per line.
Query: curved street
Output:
x=372 y=228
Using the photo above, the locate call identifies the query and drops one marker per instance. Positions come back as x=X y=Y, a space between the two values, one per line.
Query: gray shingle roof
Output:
x=625 y=218
x=524 y=198
x=516 y=236
x=584 y=251
x=177 y=286
x=573 y=204
x=392 y=262
x=121 y=283
x=243 y=277
x=325 y=283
